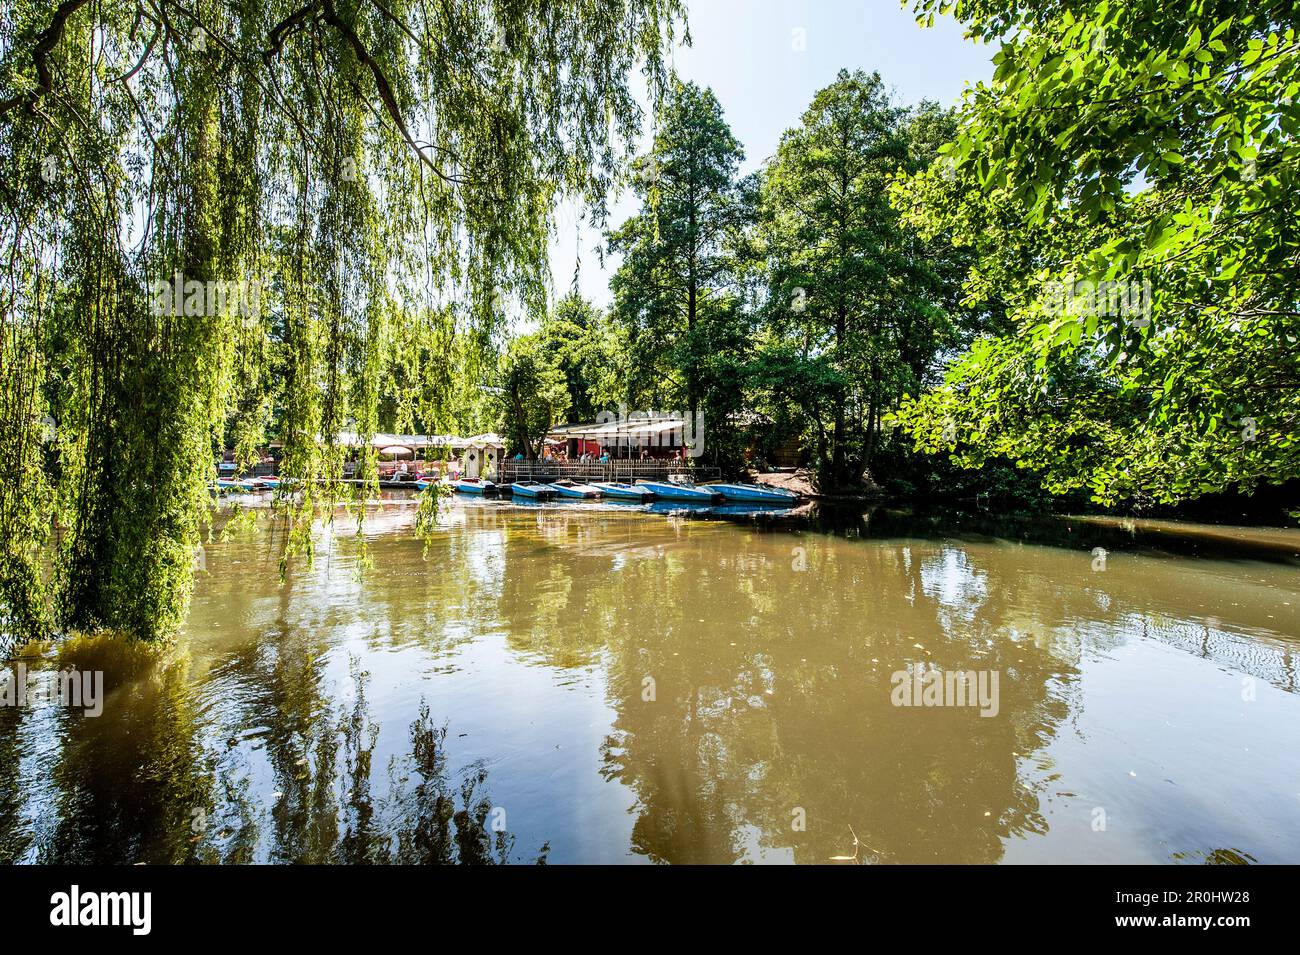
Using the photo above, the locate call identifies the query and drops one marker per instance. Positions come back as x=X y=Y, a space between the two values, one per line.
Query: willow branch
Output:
x=280 y=32
x=381 y=83
x=144 y=57
x=45 y=44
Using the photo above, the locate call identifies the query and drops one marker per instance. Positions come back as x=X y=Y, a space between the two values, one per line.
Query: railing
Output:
x=586 y=471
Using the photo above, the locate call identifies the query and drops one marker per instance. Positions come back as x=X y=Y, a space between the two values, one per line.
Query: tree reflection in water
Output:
x=126 y=786
x=138 y=784
x=760 y=712
x=738 y=740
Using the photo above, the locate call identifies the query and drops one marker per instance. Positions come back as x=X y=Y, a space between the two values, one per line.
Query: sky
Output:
x=764 y=60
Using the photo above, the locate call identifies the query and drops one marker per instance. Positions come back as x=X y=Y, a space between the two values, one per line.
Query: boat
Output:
x=672 y=491
x=566 y=488
x=531 y=489
x=271 y=481
x=468 y=486
x=253 y=484
x=755 y=493
x=629 y=492
x=229 y=484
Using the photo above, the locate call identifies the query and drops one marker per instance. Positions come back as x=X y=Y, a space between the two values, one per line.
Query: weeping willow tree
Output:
x=217 y=208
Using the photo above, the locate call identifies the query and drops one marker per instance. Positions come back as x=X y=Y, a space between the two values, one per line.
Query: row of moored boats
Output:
x=643 y=491
x=250 y=485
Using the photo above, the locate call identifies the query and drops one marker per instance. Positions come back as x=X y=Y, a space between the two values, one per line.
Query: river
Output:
x=589 y=683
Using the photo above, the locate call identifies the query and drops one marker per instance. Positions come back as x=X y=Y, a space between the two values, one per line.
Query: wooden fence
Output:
x=510 y=471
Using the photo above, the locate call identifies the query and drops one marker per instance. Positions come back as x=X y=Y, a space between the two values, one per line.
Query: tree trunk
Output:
x=837 y=434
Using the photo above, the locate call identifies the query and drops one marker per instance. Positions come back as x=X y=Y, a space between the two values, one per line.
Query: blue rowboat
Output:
x=531 y=489
x=271 y=481
x=567 y=488
x=470 y=486
x=254 y=484
x=667 y=491
x=630 y=492
x=229 y=484
x=756 y=494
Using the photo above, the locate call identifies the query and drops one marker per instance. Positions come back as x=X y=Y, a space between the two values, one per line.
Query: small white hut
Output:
x=482 y=455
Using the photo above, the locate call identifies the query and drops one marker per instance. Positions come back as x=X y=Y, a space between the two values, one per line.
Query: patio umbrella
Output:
x=396 y=451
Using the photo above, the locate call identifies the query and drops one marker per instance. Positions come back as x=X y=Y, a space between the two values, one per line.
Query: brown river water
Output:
x=589 y=683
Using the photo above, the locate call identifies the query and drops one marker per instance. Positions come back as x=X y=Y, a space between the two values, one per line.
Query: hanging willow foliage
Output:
x=344 y=192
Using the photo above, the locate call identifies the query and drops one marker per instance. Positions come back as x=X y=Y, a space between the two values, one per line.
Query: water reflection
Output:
x=144 y=782
x=776 y=714
x=123 y=785
x=597 y=683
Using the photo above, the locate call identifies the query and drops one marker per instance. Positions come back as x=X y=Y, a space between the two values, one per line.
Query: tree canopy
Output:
x=1146 y=149
x=532 y=394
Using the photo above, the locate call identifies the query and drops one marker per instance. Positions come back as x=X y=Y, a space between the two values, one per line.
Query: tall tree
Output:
x=674 y=290
x=571 y=339
x=851 y=286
